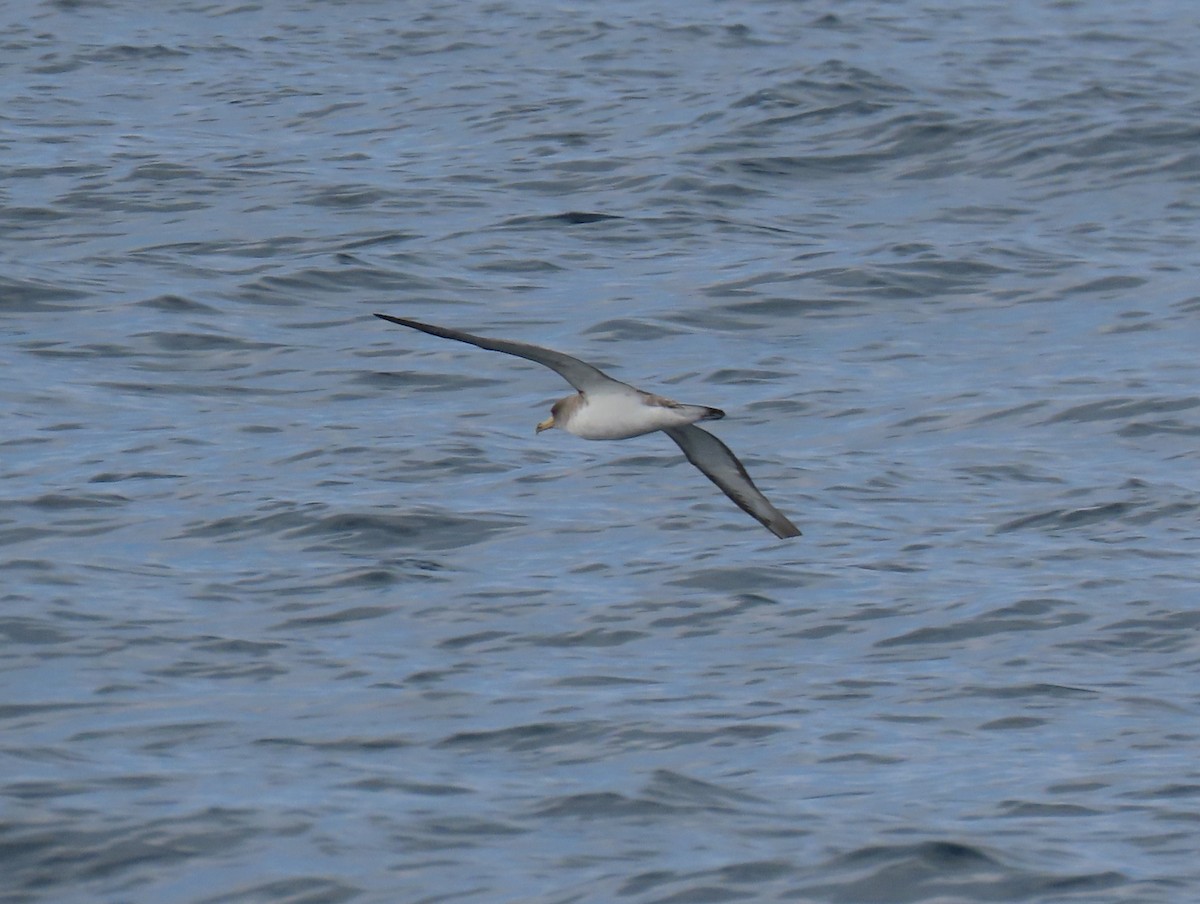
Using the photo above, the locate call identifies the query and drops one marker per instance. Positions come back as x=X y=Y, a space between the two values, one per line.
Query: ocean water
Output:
x=296 y=607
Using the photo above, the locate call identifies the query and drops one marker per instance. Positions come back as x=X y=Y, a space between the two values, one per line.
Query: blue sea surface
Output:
x=295 y=606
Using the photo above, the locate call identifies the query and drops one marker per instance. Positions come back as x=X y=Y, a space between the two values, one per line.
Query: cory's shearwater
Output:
x=604 y=408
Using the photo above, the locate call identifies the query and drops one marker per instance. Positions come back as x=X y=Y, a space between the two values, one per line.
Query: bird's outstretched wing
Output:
x=578 y=373
x=721 y=466
x=702 y=449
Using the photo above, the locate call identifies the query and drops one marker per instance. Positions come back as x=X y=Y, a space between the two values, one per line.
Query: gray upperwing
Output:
x=578 y=373
x=721 y=466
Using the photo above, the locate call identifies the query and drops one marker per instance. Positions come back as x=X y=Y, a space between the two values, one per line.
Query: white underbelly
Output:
x=620 y=417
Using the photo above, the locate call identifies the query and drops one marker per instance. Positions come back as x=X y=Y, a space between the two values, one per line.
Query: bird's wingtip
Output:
x=391 y=318
x=785 y=530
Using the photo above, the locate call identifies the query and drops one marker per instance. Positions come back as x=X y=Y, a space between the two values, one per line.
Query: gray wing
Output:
x=721 y=466
x=578 y=373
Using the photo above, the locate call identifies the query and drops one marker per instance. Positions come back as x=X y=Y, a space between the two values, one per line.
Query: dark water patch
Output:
x=60 y=502
x=119 y=477
x=772 y=307
x=557 y=738
x=809 y=166
x=161 y=171
x=313 y=889
x=628 y=329
x=387 y=237
x=1006 y=473
x=602 y=805
x=1169 y=426
x=31 y=631
x=639 y=736
x=678 y=789
x=946 y=870
x=381 y=577
x=1162 y=631
x=137 y=202
x=202 y=342
x=1024 y=617
x=600 y=681
x=1013 y=723
x=1029 y=692
x=1052 y=811
x=738 y=579
x=352 y=614
x=427 y=790
x=1170 y=511
x=569 y=218
x=423 y=381
x=296 y=286
x=270 y=247
x=817 y=114
x=347 y=197
x=28 y=296
x=745 y=377
x=593 y=637
x=342 y=744
x=475 y=639
x=27 y=710
x=1011 y=411
x=1169 y=791
x=132 y=52
x=1109 y=284
x=176 y=304
x=525 y=265
x=224 y=390
x=60 y=349
x=221 y=670
x=832 y=80
x=424 y=530
x=239 y=647
x=1069 y=519
x=454 y=832
x=25 y=217
x=359 y=531
x=61 y=859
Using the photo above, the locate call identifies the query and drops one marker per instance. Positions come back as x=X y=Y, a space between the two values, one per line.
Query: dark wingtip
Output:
x=402 y=321
x=784 y=529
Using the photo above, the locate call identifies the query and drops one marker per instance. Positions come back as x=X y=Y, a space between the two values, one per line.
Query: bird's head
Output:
x=550 y=423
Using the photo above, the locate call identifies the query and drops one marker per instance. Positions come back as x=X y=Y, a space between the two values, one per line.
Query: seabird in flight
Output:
x=604 y=408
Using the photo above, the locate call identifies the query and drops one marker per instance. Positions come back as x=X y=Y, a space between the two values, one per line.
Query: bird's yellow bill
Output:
x=546 y=424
